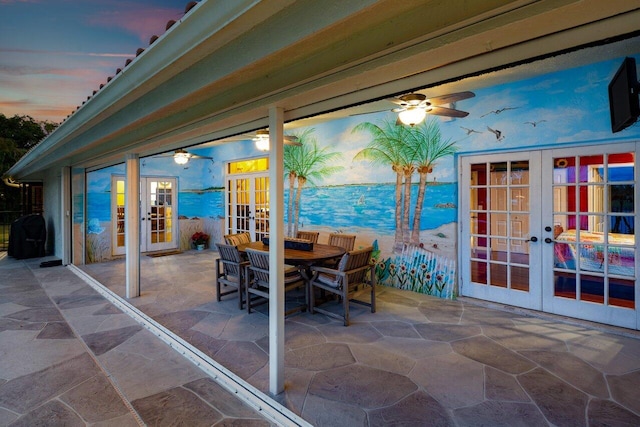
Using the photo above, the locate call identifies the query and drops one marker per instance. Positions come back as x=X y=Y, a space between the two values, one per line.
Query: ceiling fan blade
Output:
x=450 y=98
x=371 y=112
x=197 y=156
x=291 y=140
x=397 y=101
x=447 y=112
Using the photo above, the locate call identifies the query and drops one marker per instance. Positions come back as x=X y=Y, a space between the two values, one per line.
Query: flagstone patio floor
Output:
x=418 y=360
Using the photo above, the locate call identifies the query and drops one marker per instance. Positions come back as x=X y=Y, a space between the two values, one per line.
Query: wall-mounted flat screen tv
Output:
x=623 y=96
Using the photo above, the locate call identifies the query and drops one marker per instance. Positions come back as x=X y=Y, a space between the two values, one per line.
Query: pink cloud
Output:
x=46 y=93
x=58 y=53
x=143 y=22
x=25 y=107
x=24 y=70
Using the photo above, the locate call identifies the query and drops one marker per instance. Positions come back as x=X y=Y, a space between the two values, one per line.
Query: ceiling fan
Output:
x=262 y=140
x=413 y=107
x=182 y=157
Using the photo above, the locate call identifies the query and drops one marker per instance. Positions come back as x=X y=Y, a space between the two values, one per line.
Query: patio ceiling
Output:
x=217 y=72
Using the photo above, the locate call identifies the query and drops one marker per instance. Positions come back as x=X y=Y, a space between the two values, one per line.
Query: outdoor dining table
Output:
x=300 y=257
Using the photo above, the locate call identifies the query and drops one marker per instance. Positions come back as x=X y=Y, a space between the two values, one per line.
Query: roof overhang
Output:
x=217 y=72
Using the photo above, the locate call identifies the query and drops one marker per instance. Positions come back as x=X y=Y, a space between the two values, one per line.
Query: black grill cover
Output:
x=27 y=237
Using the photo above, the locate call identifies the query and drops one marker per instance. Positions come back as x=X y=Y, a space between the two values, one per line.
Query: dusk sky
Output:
x=55 y=53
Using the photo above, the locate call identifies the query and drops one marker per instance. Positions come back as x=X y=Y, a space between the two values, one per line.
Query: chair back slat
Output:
x=355 y=260
x=312 y=236
x=358 y=258
x=345 y=241
x=237 y=239
x=259 y=265
x=230 y=258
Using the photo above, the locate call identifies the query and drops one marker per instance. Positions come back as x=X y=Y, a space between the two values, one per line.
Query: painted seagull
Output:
x=534 y=124
x=470 y=131
x=498 y=111
x=497 y=133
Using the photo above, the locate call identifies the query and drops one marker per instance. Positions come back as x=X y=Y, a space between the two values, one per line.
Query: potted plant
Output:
x=200 y=239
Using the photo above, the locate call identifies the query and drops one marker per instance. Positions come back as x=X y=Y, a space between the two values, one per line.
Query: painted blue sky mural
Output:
x=569 y=106
x=564 y=107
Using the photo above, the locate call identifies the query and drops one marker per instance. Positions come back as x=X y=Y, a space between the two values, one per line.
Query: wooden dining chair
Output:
x=230 y=269
x=257 y=281
x=345 y=241
x=237 y=239
x=354 y=269
x=312 y=236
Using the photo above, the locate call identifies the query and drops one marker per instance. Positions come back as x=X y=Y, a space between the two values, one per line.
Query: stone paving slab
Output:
x=68 y=357
x=418 y=360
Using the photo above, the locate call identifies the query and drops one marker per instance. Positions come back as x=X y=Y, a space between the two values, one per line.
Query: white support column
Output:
x=132 y=226
x=65 y=215
x=276 y=250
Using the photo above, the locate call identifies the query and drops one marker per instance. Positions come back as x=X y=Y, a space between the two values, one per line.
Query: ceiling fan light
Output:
x=412 y=116
x=262 y=140
x=262 y=144
x=181 y=157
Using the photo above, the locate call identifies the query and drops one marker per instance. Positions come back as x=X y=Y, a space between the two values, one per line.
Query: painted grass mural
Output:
x=418 y=270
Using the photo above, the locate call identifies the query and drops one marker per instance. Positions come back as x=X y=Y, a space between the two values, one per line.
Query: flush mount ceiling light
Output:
x=262 y=140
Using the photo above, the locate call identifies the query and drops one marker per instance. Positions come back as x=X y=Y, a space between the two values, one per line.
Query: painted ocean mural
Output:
x=340 y=207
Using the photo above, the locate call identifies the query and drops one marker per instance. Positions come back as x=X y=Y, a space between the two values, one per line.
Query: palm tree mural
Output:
x=407 y=150
x=388 y=147
x=304 y=164
x=427 y=147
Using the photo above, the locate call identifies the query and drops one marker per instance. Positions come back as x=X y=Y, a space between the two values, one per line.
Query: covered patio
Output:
x=229 y=69
x=417 y=358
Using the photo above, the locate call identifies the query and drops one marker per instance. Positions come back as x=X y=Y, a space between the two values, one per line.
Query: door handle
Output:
x=548 y=240
x=532 y=239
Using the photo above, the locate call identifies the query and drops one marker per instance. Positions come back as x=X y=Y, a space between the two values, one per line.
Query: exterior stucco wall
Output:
x=52 y=212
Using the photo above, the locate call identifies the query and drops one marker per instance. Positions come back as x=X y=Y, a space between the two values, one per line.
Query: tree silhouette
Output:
x=17 y=135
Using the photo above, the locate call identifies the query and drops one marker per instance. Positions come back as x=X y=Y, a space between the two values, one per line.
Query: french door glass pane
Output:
x=160 y=201
x=119 y=187
x=261 y=193
x=500 y=218
x=594 y=229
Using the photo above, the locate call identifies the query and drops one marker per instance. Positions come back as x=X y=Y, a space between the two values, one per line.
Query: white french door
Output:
x=590 y=203
x=158 y=214
x=500 y=249
x=248 y=204
x=553 y=230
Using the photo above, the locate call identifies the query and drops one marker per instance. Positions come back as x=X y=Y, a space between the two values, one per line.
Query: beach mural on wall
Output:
x=358 y=194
